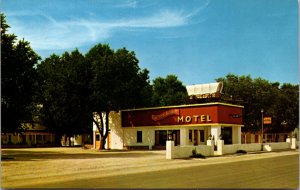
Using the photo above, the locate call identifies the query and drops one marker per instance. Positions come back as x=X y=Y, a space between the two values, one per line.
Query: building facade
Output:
x=33 y=134
x=194 y=124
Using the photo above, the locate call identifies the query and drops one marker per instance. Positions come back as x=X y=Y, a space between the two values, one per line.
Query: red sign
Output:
x=183 y=115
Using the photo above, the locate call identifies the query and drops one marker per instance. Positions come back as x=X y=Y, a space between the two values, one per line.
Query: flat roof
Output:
x=186 y=105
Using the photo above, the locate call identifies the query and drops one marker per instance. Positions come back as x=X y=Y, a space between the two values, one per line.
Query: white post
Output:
x=211 y=143
x=170 y=150
x=220 y=144
x=215 y=132
x=293 y=143
x=184 y=136
x=239 y=135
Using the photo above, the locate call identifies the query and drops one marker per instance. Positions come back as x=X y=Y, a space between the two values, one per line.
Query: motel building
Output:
x=194 y=124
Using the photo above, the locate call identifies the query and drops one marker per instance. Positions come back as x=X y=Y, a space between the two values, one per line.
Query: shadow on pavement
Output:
x=28 y=155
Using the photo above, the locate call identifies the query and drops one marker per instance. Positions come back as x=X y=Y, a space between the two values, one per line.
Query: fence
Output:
x=221 y=149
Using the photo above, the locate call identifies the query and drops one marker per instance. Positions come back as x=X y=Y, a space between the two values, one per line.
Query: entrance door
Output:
x=227 y=135
x=176 y=137
x=161 y=136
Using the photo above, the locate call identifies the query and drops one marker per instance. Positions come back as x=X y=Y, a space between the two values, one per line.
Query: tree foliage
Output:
x=117 y=83
x=168 y=91
x=63 y=91
x=17 y=80
x=281 y=102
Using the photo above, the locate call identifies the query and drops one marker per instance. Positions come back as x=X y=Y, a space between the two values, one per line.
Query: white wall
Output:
x=215 y=132
x=279 y=146
x=230 y=149
x=127 y=136
x=184 y=136
x=116 y=131
x=186 y=151
x=236 y=135
x=130 y=137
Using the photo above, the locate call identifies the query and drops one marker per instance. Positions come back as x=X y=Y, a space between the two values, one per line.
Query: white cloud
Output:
x=127 y=4
x=46 y=33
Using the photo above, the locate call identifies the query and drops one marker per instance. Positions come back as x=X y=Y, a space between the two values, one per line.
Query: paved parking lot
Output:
x=75 y=167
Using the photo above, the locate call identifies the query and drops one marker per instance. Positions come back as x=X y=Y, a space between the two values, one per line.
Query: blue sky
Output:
x=197 y=40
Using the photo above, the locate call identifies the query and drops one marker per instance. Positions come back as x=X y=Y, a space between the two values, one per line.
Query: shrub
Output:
x=241 y=152
x=197 y=155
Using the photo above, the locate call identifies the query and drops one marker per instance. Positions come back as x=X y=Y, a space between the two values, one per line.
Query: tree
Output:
x=117 y=83
x=168 y=91
x=279 y=102
x=288 y=107
x=17 y=80
x=64 y=90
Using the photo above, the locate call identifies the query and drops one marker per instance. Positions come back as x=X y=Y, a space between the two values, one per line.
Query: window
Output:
x=39 y=137
x=201 y=135
x=190 y=135
x=139 y=135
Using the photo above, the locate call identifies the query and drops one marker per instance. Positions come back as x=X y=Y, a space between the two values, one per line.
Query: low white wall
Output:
x=279 y=146
x=233 y=148
x=186 y=151
x=230 y=149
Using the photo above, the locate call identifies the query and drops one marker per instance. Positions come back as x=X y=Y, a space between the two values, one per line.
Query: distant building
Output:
x=32 y=134
x=76 y=140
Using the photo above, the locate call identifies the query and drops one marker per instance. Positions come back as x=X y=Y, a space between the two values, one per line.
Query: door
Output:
x=227 y=135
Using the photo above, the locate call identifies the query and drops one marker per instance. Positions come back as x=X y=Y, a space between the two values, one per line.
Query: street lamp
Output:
x=262 y=127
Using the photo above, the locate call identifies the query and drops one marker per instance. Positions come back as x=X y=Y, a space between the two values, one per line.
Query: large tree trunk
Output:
x=100 y=127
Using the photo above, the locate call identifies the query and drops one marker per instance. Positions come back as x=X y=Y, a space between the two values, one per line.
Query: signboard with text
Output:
x=182 y=115
x=267 y=120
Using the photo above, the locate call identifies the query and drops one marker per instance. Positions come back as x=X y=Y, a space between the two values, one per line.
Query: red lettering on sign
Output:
x=165 y=114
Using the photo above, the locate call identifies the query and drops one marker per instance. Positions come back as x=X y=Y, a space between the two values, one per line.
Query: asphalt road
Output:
x=275 y=172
